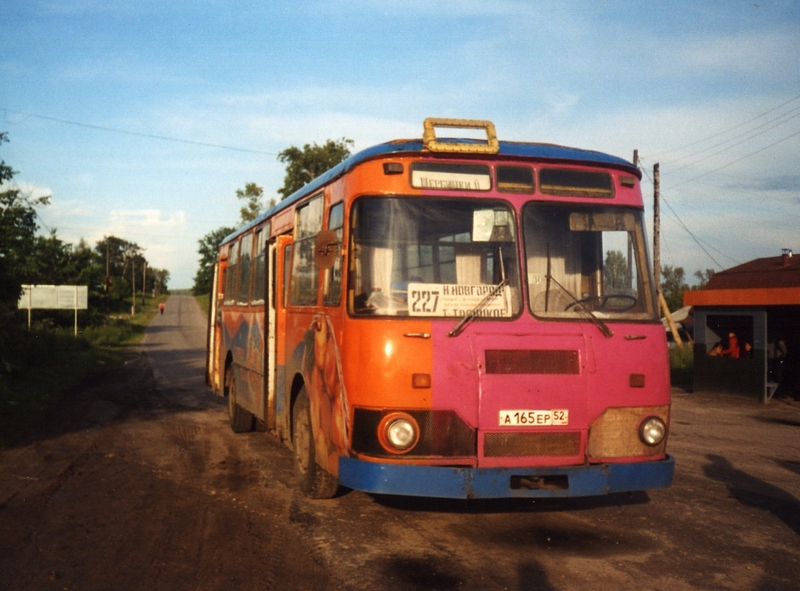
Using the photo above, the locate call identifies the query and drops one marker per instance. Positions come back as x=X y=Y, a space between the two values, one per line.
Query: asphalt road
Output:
x=137 y=482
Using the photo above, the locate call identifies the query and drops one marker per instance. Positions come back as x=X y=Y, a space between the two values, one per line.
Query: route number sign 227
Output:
x=454 y=301
x=424 y=301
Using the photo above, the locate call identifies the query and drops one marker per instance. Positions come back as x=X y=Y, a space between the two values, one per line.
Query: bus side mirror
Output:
x=326 y=249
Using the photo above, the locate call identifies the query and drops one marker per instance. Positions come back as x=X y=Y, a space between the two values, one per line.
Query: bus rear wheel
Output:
x=241 y=420
x=312 y=479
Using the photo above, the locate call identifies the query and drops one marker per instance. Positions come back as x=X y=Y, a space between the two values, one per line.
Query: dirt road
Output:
x=137 y=483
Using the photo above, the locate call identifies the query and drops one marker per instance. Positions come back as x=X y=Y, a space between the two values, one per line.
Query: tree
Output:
x=115 y=255
x=209 y=252
x=157 y=280
x=616 y=271
x=253 y=205
x=703 y=277
x=673 y=285
x=17 y=239
x=303 y=166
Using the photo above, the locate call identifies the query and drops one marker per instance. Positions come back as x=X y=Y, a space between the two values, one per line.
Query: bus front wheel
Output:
x=314 y=481
x=241 y=420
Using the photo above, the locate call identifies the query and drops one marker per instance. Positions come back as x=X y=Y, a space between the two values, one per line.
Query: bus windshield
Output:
x=587 y=260
x=433 y=257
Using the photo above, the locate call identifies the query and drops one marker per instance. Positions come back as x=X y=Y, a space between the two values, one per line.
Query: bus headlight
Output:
x=652 y=431
x=398 y=432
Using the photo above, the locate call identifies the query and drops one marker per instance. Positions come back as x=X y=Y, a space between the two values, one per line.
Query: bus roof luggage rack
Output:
x=449 y=145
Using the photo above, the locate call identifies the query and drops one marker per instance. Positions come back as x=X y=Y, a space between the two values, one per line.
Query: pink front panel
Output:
x=554 y=379
x=530 y=365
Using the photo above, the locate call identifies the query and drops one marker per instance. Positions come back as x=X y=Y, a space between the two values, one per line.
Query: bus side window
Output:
x=332 y=286
x=243 y=290
x=230 y=274
x=303 y=288
x=287 y=271
x=259 y=268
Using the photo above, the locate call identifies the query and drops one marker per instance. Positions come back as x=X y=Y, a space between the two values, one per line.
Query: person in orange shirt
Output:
x=732 y=350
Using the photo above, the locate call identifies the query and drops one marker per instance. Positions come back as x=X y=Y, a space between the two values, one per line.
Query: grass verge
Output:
x=681 y=366
x=39 y=367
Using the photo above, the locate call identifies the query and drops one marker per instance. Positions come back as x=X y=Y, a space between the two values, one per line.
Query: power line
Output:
x=723 y=132
x=138 y=134
x=695 y=238
x=685 y=227
x=747 y=135
x=745 y=157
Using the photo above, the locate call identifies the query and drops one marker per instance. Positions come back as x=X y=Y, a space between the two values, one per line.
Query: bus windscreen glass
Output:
x=587 y=259
x=434 y=257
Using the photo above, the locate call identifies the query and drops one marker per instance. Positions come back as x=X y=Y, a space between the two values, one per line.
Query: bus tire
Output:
x=240 y=419
x=313 y=480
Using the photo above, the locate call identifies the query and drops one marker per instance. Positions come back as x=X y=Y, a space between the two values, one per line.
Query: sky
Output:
x=142 y=118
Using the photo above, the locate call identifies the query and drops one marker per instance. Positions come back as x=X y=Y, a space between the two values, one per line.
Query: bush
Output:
x=681 y=366
x=38 y=367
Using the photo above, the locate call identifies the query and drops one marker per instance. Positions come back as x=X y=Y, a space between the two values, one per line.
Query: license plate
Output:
x=533 y=418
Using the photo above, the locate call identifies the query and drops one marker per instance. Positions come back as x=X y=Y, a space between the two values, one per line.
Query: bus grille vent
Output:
x=524 y=361
x=498 y=445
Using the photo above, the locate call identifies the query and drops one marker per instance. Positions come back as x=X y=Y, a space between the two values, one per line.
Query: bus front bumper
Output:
x=490 y=483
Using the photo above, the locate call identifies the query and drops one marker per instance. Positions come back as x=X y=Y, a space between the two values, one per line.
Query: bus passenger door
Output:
x=279 y=413
x=214 y=334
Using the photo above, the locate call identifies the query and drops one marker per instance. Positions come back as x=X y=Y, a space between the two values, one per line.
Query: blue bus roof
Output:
x=546 y=152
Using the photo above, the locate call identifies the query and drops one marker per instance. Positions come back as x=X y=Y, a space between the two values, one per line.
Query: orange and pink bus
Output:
x=446 y=317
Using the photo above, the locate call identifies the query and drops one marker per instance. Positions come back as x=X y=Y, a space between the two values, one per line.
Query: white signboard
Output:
x=450 y=181
x=443 y=299
x=54 y=297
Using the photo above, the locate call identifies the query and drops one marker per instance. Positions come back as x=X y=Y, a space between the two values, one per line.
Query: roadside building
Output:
x=753 y=312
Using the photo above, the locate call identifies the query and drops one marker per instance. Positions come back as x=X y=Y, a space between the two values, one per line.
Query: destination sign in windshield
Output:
x=442 y=299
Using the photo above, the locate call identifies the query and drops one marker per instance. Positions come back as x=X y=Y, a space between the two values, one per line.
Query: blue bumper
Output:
x=492 y=483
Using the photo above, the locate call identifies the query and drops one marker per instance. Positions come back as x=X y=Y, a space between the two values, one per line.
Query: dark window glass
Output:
x=230 y=275
x=259 y=268
x=287 y=262
x=333 y=276
x=243 y=288
x=575 y=183
x=433 y=257
x=303 y=291
x=515 y=179
x=587 y=259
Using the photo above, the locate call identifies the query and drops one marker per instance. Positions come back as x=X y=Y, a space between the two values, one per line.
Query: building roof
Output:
x=771 y=281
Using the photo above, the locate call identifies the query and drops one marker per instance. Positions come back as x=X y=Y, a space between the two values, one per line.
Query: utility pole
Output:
x=106 y=282
x=657 y=224
x=133 y=284
x=144 y=281
x=630 y=242
x=657 y=253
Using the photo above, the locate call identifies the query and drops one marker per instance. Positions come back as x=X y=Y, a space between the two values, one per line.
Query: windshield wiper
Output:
x=472 y=314
x=579 y=306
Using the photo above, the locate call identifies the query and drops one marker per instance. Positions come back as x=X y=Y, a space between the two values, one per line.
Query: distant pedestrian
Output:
x=161 y=307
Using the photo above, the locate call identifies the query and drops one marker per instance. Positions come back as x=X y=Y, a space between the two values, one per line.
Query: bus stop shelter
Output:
x=753 y=312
